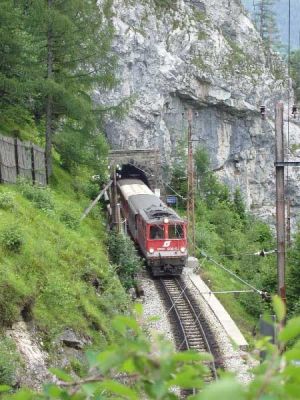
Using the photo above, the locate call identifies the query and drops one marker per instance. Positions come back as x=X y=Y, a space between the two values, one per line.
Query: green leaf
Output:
x=191 y=356
x=61 y=375
x=122 y=323
x=224 y=389
x=129 y=366
x=291 y=331
x=138 y=308
x=52 y=390
x=4 y=388
x=279 y=308
x=25 y=394
x=118 y=388
x=109 y=359
x=293 y=354
x=90 y=388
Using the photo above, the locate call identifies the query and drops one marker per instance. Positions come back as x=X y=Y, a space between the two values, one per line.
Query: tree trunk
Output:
x=49 y=104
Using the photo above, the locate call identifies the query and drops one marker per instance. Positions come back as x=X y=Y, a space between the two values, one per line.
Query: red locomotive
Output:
x=159 y=232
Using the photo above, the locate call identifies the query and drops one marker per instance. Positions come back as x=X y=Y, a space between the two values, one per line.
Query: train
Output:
x=159 y=232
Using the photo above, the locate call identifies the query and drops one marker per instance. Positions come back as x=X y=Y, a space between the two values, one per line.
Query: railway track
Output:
x=191 y=330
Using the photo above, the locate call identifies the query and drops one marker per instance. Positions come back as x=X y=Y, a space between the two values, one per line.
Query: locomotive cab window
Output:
x=176 y=231
x=157 y=232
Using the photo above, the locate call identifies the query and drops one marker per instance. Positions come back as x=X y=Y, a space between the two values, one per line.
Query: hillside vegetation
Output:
x=54 y=270
x=227 y=236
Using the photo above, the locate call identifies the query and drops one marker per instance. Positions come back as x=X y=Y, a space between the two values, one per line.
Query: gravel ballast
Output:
x=234 y=360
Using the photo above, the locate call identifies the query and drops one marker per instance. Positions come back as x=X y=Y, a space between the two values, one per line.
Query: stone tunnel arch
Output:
x=141 y=164
x=132 y=171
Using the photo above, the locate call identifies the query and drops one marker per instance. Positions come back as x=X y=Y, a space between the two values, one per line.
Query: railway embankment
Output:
x=231 y=342
x=231 y=356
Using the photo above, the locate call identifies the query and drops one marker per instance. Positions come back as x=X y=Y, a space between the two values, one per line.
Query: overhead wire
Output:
x=260 y=253
x=260 y=292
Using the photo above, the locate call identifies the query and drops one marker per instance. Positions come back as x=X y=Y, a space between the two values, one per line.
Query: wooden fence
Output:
x=22 y=159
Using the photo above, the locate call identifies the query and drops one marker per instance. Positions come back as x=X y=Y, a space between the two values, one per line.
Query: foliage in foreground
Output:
x=135 y=368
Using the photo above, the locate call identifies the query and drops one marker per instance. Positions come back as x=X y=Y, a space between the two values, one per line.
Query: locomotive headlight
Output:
x=166 y=221
x=151 y=251
x=182 y=249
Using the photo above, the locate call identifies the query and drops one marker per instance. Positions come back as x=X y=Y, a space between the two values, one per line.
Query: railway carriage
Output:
x=158 y=230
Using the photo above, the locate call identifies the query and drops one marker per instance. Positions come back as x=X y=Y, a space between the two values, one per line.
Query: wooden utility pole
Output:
x=280 y=200
x=288 y=223
x=191 y=188
x=94 y=202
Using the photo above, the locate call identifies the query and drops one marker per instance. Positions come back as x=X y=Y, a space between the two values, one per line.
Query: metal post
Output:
x=191 y=189
x=280 y=201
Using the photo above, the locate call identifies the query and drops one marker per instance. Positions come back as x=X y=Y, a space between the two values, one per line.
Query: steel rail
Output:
x=198 y=322
x=176 y=300
x=174 y=307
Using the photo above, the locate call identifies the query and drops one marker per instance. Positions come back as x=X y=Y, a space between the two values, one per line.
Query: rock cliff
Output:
x=205 y=55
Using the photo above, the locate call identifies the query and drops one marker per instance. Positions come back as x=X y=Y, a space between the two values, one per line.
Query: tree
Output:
x=295 y=71
x=238 y=204
x=265 y=20
x=73 y=41
x=15 y=71
x=293 y=274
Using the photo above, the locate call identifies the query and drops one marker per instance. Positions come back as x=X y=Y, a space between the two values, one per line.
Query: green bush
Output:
x=41 y=197
x=69 y=219
x=12 y=239
x=150 y=369
x=13 y=295
x=123 y=254
x=165 y=4
x=7 y=201
x=9 y=359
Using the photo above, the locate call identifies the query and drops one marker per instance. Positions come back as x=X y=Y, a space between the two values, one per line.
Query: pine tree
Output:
x=15 y=69
x=238 y=204
x=73 y=42
x=265 y=21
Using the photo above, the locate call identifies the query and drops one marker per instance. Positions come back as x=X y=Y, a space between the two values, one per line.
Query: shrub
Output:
x=151 y=369
x=13 y=296
x=8 y=360
x=41 y=197
x=69 y=219
x=7 y=201
x=12 y=239
x=123 y=253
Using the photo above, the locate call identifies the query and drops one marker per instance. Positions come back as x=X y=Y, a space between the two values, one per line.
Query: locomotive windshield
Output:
x=176 y=231
x=157 y=232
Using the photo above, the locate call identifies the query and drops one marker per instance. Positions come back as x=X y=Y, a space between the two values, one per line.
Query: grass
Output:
x=10 y=362
x=50 y=272
x=219 y=280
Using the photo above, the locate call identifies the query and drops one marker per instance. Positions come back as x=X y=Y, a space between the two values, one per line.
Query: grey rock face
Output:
x=204 y=55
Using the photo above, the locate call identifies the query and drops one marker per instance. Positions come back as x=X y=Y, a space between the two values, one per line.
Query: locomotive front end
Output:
x=166 y=247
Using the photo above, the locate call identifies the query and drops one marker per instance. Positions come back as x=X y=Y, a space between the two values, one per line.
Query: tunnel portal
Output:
x=139 y=164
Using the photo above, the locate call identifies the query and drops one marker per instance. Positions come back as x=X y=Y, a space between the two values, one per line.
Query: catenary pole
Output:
x=191 y=188
x=280 y=200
